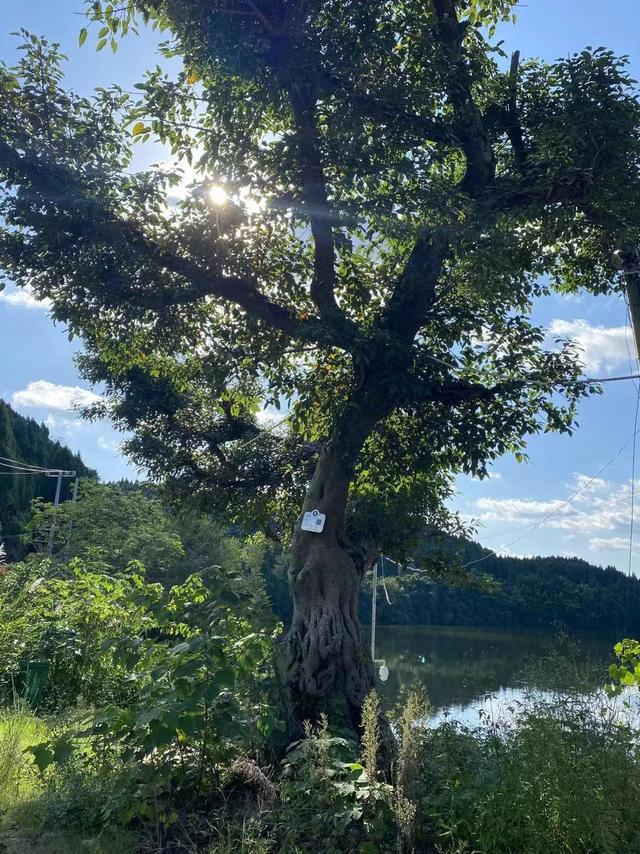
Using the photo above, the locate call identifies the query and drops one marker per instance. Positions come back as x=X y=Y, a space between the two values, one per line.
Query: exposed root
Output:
x=248 y=773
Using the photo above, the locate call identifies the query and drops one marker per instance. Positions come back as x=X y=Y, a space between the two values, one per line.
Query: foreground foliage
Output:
x=161 y=730
x=561 y=780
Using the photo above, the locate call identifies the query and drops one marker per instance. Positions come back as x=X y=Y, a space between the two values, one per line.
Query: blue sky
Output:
x=38 y=376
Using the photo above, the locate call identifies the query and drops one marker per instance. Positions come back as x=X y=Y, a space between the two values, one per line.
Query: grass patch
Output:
x=19 y=778
x=53 y=813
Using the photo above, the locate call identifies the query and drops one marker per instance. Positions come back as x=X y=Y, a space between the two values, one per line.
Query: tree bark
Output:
x=327 y=665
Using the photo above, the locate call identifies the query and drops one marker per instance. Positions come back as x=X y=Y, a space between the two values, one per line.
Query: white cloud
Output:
x=63 y=425
x=603 y=348
x=515 y=509
x=23 y=298
x=601 y=506
x=111 y=445
x=606 y=543
x=46 y=395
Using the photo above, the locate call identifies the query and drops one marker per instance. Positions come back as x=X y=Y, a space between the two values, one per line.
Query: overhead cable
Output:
x=563 y=504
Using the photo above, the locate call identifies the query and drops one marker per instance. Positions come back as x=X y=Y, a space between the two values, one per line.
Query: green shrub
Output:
x=192 y=687
x=560 y=780
x=331 y=796
x=64 y=614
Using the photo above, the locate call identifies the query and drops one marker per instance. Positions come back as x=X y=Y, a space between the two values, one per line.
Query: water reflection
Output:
x=470 y=672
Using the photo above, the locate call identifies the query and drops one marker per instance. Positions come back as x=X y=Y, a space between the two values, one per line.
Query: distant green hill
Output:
x=26 y=441
x=527 y=593
x=534 y=592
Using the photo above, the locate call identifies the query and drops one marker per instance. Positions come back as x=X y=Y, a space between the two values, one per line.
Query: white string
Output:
x=627 y=326
x=384 y=583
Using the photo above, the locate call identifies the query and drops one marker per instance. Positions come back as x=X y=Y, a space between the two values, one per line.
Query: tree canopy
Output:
x=109 y=526
x=392 y=199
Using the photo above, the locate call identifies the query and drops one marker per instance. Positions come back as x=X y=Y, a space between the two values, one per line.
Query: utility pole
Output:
x=74 y=498
x=383 y=672
x=374 y=594
x=59 y=474
x=630 y=258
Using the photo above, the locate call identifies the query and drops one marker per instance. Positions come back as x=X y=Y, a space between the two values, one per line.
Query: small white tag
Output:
x=313 y=521
x=383 y=673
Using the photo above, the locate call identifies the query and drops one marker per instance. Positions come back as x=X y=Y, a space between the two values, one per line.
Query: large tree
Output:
x=376 y=198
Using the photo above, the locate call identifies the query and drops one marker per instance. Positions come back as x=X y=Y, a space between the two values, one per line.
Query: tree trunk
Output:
x=327 y=665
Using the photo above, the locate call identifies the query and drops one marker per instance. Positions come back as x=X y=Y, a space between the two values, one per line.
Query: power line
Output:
x=15 y=470
x=572 y=515
x=610 y=379
x=27 y=468
x=17 y=463
x=16 y=467
x=21 y=468
x=564 y=503
x=16 y=473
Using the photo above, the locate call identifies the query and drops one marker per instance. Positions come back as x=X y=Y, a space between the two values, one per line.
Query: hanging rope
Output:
x=384 y=581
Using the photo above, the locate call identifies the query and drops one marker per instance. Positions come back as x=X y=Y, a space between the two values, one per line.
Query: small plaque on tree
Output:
x=313 y=521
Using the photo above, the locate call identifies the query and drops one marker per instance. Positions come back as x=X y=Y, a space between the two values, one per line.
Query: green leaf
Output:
x=138 y=128
x=42 y=755
x=82 y=36
x=62 y=750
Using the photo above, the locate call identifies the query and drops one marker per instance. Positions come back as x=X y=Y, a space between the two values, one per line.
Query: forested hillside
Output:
x=533 y=592
x=26 y=441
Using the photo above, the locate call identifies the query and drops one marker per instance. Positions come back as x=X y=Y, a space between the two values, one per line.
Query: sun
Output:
x=218 y=195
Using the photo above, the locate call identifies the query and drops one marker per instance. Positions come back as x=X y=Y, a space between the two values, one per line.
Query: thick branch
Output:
x=303 y=103
x=469 y=122
x=416 y=288
x=512 y=124
x=450 y=393
x=370 y=106
x=55 y=184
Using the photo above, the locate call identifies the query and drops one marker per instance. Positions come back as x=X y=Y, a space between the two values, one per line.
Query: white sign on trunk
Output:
x=313 y=521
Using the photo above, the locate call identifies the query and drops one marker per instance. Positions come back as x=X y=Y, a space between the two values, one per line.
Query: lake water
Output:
x=469 y=673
